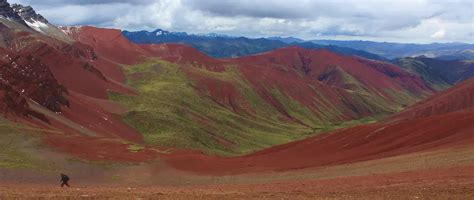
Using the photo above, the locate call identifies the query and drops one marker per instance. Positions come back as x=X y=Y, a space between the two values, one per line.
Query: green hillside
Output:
x=20 y=147
x=170 y=111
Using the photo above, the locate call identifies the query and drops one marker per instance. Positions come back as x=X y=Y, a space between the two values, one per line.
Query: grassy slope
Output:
x=417 y=67
x=18 y=145
x=169 y=111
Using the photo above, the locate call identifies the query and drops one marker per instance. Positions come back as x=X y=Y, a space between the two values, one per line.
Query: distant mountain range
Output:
x=391 y=50
x=216 y=46
x=223 y=46
x=286 y=39
x=466 y=54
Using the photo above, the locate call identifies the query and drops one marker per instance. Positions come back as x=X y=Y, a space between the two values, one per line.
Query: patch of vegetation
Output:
x=18 y=145
x=296 y=109
x=115 y=177
x=134 y=148
x=352 y=123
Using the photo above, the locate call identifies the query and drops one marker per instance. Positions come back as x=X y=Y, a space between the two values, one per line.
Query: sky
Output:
x=406 y=21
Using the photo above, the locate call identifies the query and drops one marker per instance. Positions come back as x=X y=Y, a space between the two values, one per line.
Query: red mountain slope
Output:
x=63 y=79
x=108 y=43
x=412 y=133
x=112 y=45
x=326 y=66
x=454 y=99
x=354 y=86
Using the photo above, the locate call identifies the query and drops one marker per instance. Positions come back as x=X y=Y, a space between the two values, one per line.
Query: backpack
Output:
x=64 y=178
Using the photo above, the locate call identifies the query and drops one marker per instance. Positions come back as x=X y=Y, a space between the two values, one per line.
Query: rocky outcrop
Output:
x=7 y=11
x=28 y=14
x=26 y=75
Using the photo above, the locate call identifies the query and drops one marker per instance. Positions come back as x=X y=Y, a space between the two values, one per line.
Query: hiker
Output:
x=64 y=180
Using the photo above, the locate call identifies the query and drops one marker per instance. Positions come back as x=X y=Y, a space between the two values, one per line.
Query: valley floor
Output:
x=443 y=174
x=448 y=183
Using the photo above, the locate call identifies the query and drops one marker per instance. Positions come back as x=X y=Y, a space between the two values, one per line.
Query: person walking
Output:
x=64 y=180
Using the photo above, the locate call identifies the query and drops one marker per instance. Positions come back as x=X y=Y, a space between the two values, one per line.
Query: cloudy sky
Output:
x=420 y=21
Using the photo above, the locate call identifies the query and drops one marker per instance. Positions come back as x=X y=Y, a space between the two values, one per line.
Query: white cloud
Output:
x=401 y=21
x=438 y=34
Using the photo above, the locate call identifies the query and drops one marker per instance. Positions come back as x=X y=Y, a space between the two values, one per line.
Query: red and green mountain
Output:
x=93 y=82
x=179 y=97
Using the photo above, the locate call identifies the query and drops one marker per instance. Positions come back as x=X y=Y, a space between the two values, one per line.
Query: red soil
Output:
x=454 y=99
x=455 y=182
x=72 y=72
x=88 y=113
x=109 y=43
